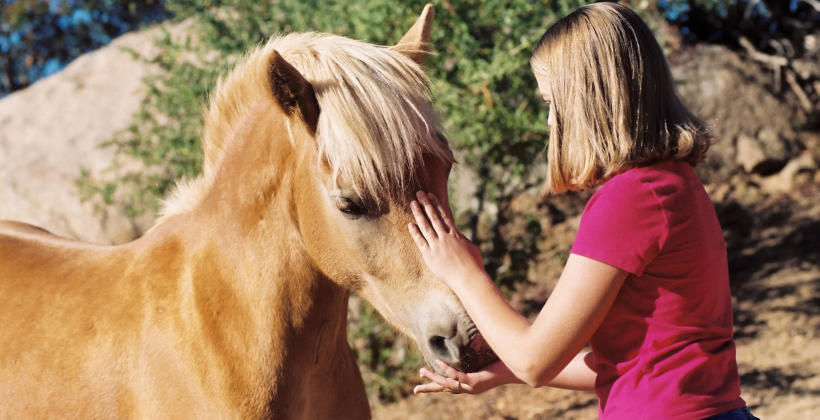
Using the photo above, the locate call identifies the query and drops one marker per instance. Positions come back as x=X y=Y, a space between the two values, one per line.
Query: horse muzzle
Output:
x=467 y=352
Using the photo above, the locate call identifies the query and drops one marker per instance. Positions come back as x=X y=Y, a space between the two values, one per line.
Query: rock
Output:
x=776 y=146
x=749 y=152
x=730 y=95
x=463 y=184
x=796 y=172
x=764 y=154
x=53 y=128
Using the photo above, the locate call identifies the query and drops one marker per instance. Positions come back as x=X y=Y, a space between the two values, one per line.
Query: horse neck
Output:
x=251 y=201
x=264 y=307
x=258 y=318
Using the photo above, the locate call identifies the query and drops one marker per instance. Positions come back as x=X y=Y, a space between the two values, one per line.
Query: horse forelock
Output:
x=376 y=120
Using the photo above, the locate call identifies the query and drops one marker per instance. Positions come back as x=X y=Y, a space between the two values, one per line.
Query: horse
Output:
x=234 y=304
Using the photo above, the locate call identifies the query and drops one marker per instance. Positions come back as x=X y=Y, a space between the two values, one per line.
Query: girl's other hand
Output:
x=448 y=253
x=454 y=381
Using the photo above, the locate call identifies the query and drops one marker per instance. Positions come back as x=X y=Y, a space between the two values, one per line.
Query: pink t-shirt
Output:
x=665 y=348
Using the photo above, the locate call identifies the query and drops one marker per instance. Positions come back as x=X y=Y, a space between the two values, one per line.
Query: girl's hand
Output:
x=456 y=382
x=448 y=253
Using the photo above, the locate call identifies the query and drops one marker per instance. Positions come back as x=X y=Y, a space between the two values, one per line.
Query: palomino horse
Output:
x=234 y=304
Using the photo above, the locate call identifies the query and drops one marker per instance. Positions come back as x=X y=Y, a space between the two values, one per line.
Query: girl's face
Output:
x=543 y=88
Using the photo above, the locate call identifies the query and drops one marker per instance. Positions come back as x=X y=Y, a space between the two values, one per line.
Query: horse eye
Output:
x=350 y=208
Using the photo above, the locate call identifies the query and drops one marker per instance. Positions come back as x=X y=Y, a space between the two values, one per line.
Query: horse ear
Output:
x=292 y=91
x=416 y=42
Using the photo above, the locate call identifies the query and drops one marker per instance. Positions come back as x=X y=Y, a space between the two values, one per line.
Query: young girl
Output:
x=646 y=283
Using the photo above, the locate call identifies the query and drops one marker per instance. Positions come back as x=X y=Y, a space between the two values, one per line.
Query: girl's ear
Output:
x=415 y=44
x=292 y=91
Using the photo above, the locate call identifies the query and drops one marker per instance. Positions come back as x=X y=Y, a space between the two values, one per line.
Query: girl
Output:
x=646 y=283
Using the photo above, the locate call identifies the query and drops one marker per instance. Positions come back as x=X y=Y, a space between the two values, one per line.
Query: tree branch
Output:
x=773 y=60
x=791 y=79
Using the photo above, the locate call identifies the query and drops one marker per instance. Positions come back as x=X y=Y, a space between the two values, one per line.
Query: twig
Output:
x=773 y=60
x=784 y=47
x=791 y=79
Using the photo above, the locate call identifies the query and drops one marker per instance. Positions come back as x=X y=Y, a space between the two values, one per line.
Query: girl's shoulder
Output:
x=660 y=180
x=636 y=213
x=670 y=189
x=626 y=223
x=664 y=172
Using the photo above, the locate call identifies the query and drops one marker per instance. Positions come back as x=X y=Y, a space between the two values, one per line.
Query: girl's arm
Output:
x=537 y=352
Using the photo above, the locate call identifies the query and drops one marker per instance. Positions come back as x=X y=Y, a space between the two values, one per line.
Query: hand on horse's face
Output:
x=448 y=253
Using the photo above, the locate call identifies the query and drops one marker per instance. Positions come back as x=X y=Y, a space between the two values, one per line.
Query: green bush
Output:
x=484 y=92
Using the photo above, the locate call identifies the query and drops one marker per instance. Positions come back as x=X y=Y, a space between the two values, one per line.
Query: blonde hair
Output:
x=377 y=120
x=614 y=99
x=376 y=124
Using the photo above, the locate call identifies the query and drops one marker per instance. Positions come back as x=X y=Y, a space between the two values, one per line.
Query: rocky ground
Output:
x=762 y=175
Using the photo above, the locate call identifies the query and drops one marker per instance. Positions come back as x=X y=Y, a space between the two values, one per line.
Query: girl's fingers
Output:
x=448 y=370
x=418 y=238
x=455 y=375
x=428 y=387
x=441 y=383
x=433 y=376
x=432 y=213
x=445 y=215
x=421 y=221
x=449 y=383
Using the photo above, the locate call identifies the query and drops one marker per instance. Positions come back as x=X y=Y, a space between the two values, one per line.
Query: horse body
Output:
x=184 y=320
x=170 y=321
x=234 y=305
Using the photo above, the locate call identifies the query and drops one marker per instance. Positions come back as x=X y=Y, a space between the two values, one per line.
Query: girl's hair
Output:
x=615 y=101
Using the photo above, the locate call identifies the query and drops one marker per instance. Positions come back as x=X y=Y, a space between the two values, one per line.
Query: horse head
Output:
x=376 y=142
x=362 y=138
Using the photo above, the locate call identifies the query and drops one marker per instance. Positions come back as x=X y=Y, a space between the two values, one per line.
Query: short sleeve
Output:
x=623 y=225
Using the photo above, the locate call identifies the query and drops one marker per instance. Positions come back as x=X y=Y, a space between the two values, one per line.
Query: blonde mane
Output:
x=376 y=118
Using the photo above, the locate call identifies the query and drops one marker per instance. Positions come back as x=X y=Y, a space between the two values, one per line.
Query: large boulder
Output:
x=52 y=129
x=753 y=127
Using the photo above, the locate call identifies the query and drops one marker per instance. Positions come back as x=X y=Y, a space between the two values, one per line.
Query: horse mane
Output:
x=376 y=120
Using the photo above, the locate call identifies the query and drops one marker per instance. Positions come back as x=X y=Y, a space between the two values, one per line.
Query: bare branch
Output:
x=773 y=60
x=791 y=79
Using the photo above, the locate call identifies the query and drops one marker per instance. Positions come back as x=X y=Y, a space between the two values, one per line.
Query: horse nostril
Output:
x=438 y=346
x=446 y=341
x=446 y=349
